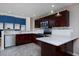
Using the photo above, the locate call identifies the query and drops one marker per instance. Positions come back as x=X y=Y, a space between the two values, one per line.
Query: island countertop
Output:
x=57 y=40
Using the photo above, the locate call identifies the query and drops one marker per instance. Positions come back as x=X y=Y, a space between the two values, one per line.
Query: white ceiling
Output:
x=29 y=9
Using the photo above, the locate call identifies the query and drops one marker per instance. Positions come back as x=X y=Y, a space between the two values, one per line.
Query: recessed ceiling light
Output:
x=34 y=15
x=9 y=11
x=52 y=11
x=52 y=5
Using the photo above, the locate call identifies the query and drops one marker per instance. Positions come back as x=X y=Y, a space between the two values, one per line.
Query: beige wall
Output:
x=74 y=24
x=28 y=24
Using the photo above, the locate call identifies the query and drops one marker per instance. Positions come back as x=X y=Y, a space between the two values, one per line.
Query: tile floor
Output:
x=30 y=49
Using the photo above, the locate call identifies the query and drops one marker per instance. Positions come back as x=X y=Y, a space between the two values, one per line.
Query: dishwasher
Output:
x=9 y=40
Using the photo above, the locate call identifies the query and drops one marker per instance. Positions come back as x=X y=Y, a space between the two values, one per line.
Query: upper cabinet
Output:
x=54 y=20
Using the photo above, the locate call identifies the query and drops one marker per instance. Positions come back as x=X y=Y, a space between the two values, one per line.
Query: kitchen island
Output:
x=56 y=45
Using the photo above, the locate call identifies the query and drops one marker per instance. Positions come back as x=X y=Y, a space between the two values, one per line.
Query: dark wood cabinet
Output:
x=25 y=38
x=51 y=50
x=37 y=23
x=55 y=21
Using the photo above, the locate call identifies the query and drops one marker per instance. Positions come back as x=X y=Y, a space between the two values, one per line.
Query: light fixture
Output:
x=9 y=11
x=58 y=14
x=52 y=5
x=34 y=15
x=51 y=11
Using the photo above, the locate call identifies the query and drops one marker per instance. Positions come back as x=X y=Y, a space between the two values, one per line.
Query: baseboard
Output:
x=73 y=54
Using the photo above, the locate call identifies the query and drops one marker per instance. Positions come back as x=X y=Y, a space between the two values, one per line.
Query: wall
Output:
x=74 y=24
x=28 y=28
x=12 y=19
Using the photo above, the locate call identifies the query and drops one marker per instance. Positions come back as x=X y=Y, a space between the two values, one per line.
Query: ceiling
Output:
x=30 y=9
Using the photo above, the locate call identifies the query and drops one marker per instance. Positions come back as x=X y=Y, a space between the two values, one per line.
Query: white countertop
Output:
x=57 y=40
x=29 y=32
x=19 y=32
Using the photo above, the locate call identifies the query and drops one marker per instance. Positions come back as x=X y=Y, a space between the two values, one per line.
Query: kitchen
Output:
x=58 y=27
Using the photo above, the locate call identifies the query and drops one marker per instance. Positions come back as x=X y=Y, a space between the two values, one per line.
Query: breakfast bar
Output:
x=56 y=45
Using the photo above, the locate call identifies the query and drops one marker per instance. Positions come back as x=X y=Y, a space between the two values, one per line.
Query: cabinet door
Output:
x=69 y=47
x=18 y=39
x=47 y=49
x=24 y=39
x=51 y=23
x=63 y=19
x=59 y=21
x=37 y=23
x=33 y=38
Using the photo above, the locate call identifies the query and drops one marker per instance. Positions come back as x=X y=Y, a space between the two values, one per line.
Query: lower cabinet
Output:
x=51 y=50
x=25 y=38
x=47 y=49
